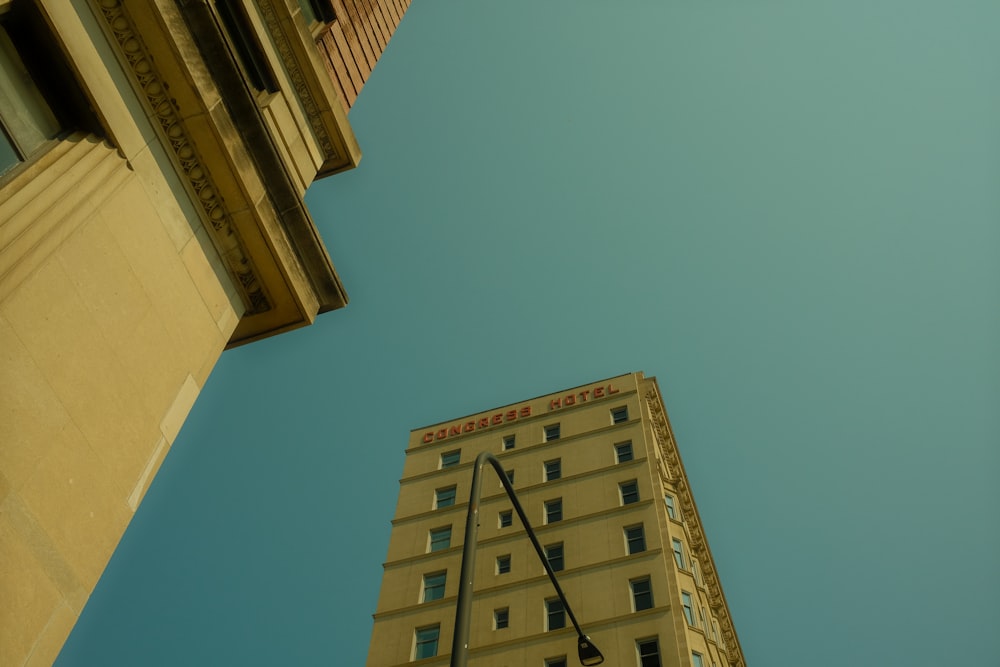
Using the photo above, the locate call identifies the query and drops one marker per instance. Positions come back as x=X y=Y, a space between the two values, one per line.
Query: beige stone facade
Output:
x=598 y=473
x=154 y=155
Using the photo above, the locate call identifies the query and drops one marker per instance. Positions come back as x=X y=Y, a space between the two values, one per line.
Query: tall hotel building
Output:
x=597 y=471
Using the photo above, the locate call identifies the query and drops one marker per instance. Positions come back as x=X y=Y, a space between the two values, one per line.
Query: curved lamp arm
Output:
x=589 y=654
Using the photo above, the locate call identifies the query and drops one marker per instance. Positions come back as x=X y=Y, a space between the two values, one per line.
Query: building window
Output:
x=671 y=508
x=449 y=459
x=551 y=432
x=317 y=10
x=434 y=586
x=715 y=630
x=440 y=538
x=619 y=415
x=696 y=660
x=629 y=491
x=649 y=652
x=688 y=611
x=508 y=442
x=701 y=617
x=642 y=594
x=554 y=554
x=444 y=497
x=635 y=539
x=555 y=614
x=503 y=564
x=510 y=475
x=426 y=642
x=696 y=571
x=501 y=618
x=553 y=469
x=556 y=662
x=678 y=552
x=623 y=452
x=553 y=510
x=506 y=518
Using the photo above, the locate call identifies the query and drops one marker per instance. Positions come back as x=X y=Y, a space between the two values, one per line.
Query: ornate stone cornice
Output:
x=698 y=543
x=298 y=78
x=141 y=67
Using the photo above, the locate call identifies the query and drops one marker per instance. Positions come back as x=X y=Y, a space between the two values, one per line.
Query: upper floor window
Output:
x=508 y=442
x=317 y=11
x=629 y=491
x=619 y=415
x=501 y=618
x=440 y=538
x=246 y=45
x=553 y=510
x=426 y=642
x=449 y=459
x=555 y=614
x=556 y=662
x=553 y=469
x=554 y=554
x=678 y=552
x=503 y=564
x=642 y=594
x=510 y=475
x=696 y=660
x=444 y=497
x=635 y=539
x=688 y=611
x=506 y=518
x=434 y=586
x=623 y=452
x=671 y=508
x=649 y=652
x=551 y=432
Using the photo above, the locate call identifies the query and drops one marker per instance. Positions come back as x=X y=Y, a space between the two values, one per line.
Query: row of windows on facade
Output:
x=551 y=432
x=641 y=590
x=440 y=538
x=552 y=509
x=551 y=469
x=647 y=650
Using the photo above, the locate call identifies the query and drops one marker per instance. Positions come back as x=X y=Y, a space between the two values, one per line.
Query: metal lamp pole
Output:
x=589 y=654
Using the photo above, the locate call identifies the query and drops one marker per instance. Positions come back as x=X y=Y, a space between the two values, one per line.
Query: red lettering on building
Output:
x=583 y=395
x=569 y=400
x=455 y=430
x=484 y=422
x=469 y=427
x=526 y=411
x=611 y=390
x=442 y=434
x=511 y=415
x=555 y=404
x=497 y=419
x=428 y=437
x=598 y=392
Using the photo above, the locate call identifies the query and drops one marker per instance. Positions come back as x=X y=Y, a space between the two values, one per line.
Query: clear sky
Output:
x=786 y=211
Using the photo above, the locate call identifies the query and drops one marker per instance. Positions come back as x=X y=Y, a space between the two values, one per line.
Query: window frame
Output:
x=688 y=605
x=443 y=574
x=620 y=411
x=552 y=431
x=556 y=662
x=550 y=466
x=503 y=564
x=619 y=459
x=508 y=442
x=560 y=559
x=501 y=618
x=668 y=500
x=630 y=496
x=443 y=494
x=443 y=530
x=635 y=586
x=640 y=644
x=629 y=540
x=505 y=518
x=697 y=660
x=417 y=641
x=554 y=608
x=678 y=548
x=553 y=507
x=447 y=461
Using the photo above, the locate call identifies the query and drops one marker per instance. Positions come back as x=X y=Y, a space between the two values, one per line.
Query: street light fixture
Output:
x=589 y=654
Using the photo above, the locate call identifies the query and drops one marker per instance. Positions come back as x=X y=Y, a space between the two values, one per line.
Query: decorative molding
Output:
x=698 y=543
x=298 y=78
x=141 y=65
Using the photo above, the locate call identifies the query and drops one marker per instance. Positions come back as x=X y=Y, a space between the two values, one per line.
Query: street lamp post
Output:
x=589 y=654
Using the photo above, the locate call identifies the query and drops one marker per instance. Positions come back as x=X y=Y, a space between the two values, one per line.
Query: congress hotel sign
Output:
x=519 y=412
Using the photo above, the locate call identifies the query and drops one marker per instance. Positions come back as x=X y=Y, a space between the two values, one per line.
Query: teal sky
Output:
x=788 y=212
